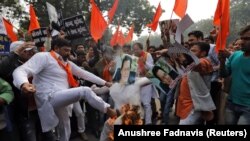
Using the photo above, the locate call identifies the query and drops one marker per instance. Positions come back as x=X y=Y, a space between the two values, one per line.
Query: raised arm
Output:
x=77 y=71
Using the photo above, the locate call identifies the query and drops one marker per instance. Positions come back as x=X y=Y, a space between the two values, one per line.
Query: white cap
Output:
x=14 y=45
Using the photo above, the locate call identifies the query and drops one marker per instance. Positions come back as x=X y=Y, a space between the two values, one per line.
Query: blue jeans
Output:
x=167 y=101
x=237 y=114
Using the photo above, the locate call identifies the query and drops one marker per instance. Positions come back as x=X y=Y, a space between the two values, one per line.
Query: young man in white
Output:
x=55 y=88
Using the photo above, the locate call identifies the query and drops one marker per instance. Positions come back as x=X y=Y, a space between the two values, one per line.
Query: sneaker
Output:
x=84 y=136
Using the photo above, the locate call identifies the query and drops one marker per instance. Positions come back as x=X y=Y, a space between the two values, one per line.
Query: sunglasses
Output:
x=245 y=38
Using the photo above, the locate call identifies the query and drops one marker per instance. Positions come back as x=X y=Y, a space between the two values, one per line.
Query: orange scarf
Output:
x=106 y=74
x=72 y=82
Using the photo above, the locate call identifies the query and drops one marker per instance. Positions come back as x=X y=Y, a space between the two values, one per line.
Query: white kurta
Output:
x=48 y=78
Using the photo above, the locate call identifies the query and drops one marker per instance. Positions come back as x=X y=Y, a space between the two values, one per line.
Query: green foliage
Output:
x=204 y=25
x=12 y=10
x=138 y=12
x=239 y=13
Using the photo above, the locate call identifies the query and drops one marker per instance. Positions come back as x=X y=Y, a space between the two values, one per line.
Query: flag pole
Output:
x=221 y=28
x=170 y=20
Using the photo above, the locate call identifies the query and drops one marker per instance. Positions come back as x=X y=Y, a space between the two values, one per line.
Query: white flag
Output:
x=53 y=17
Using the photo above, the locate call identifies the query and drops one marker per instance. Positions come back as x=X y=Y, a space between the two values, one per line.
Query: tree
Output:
x=138 y=12
x=12 y=10
x=203 y=25
x=239 y=18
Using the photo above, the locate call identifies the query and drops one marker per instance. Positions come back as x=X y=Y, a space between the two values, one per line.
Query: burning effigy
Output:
x=129 y=115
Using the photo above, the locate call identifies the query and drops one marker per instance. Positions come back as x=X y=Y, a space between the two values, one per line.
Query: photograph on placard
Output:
x=126 y=69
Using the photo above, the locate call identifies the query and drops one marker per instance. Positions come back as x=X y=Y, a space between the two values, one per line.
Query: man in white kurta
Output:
x=145 y=63
x=51 y=87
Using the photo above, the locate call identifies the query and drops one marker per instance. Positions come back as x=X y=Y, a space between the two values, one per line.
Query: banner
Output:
x=60 y=18
x=39 y=36
x=75 y=27
x=4 y=44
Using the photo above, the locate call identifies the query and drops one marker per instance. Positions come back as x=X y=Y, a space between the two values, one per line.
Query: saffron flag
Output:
x=7 y=28
x=112 y=11
x=129 y=37
x=114 y=38
x=97 y=23
x=121 y=39
x=153 y=25
x=222 y=20
x=34 y=24
x=180 y=7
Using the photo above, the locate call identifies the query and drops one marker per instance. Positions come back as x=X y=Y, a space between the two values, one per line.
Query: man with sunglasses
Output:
x=238 y=102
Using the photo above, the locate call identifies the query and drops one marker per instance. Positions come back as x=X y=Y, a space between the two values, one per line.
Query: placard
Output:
x=39 y=36
x=75 y=27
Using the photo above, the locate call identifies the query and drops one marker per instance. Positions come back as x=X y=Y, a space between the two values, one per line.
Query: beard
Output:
x=245 y=47
x=65 y=58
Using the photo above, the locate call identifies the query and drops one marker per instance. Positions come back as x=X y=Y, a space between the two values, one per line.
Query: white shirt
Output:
x=149 y=64
x=47 y=72
x=48 y=77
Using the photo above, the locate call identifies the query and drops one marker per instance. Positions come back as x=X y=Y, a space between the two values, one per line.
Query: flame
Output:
x=130 y=116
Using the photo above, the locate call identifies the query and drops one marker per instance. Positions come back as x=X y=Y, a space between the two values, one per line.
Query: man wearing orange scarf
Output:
x=145 y=63
x=55 y=87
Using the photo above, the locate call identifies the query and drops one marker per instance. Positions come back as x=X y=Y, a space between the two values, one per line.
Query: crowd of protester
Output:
x=68 y=89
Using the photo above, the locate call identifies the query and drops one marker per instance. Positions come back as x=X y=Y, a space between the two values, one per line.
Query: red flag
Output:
x=121 y=39
x=9 y=30
x=153 y=25
x=34 y=24
x=180 y=7
x=114 y=38
x=112 y=11
x=130 y=35
x=97 y=24
x=222 y=20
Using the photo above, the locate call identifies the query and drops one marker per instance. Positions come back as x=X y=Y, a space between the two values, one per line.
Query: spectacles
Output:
x=245 y=38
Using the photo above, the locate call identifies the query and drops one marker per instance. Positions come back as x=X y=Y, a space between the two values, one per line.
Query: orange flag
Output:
x=34 y=24
x=180 y=7
x=98 y=24
x=153 y=25
x=114 y=38
x=9 y=30
x=130 y=35
x=112 y=11
x=222 y=20
x=121 y=39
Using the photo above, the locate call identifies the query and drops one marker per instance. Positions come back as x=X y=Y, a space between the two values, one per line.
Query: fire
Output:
x=130 y=116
